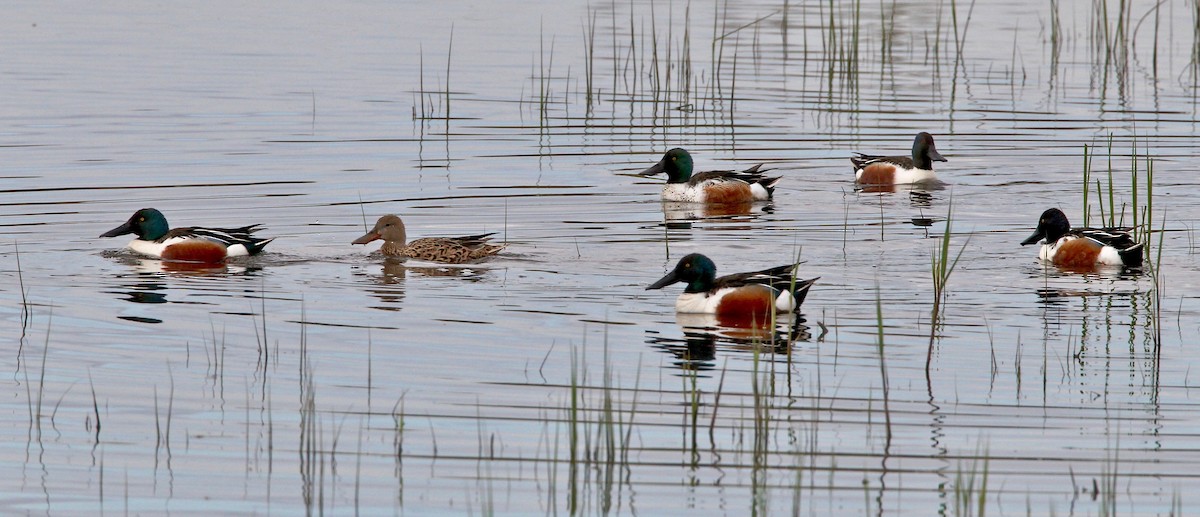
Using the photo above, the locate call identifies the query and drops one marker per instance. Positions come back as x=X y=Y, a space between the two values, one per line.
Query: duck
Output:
x=449 y=250
x=758 y=293
x=710 y=187
x=157 y=239
x=892 y=170
x=1083 y=248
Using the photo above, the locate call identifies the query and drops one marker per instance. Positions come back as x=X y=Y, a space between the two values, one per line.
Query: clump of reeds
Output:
x=941 y=266
x=598 y=433
x=1140 y=208
x=428 y=106
x=971 y=488
x=1140 y=205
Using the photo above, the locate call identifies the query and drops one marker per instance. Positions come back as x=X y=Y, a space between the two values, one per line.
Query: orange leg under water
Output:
x=1078 y=253
x=878 y=174
x=195 y=251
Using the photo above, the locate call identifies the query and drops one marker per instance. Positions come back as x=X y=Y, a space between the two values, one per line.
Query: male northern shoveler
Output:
x=710 y=187
x=890 y=170
x=1083 y=248
x=209 y=245
x=451 y=250
x=742 y=293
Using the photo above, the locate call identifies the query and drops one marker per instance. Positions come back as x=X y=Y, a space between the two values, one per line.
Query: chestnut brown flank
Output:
x=1078 y=253
x=195 y=250
x=751 y=300
x=878 y=174
x=728 y=192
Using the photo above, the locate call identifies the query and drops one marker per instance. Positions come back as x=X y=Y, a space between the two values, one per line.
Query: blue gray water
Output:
x=319 y=376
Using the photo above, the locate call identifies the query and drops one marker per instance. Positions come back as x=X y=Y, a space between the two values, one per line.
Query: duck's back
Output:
x=450 y=250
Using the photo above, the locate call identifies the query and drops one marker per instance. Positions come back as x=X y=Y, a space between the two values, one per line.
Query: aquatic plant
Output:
x=941 y=266
x=883 y=374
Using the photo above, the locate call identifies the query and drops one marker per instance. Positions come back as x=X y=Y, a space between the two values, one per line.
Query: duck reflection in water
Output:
x=695 y=352
x=144 y=288
x=746 y=333
x=184 y=268
x=919 y=195
x=388 y=284
x=394 y=271
x=174 y=267
x=704 y=333
x=148 y=283
x=676 y=212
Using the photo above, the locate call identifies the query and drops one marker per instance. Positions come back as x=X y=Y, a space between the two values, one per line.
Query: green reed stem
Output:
x=1134 y=187
x=449 y=53
x=1087 y=172
x=1149 y=219
x=1112 y=207
x=941 y=266
x=883 y=375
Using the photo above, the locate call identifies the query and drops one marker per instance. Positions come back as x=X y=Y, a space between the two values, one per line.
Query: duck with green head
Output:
x=195 y=244
x=758 y=293
x=713 y=186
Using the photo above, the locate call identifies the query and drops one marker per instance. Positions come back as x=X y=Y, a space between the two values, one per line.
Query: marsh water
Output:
x=319 y=377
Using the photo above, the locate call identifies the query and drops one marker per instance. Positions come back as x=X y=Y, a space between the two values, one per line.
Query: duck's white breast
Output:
x=699 y=303
x=151 y=248
x=914 y=175
x=682 y=192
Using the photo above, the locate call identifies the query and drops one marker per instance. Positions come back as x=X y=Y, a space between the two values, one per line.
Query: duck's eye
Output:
x=687 y=265
x=141 y=219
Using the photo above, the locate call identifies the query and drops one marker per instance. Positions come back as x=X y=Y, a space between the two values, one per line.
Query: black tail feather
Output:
x=1132 y=256
x=800 y=292
x=474 y=239
x=256 y=245
x=769 y=184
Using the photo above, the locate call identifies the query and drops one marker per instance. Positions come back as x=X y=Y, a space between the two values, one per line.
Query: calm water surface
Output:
x=319 y=377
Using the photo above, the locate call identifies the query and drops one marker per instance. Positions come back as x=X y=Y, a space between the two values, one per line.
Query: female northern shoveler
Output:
x=890 y=170
x=1083 y=248
x=742 y=293
x=209 y=245
x=451 y=250
x=710 y=187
